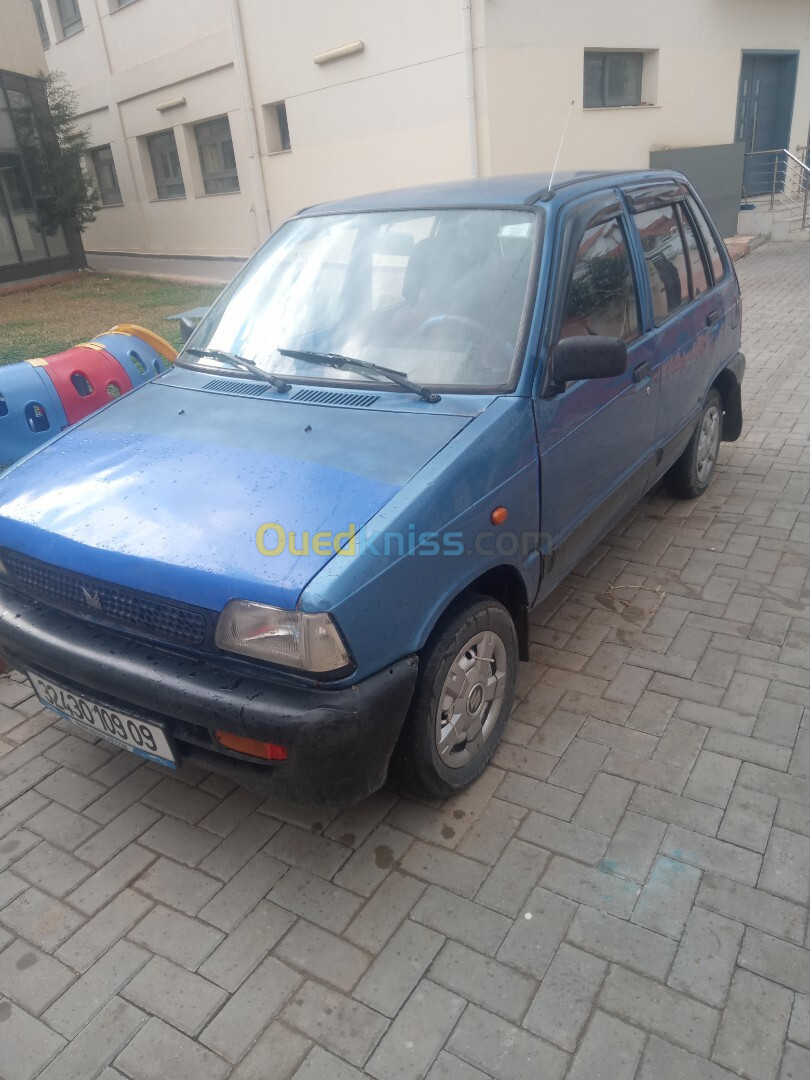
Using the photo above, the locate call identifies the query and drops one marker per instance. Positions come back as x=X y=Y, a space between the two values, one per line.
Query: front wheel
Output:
x=692 y=472
x=462 y=701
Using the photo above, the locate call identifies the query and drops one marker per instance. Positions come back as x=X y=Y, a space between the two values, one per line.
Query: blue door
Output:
x=596 y=437
x=764 y=113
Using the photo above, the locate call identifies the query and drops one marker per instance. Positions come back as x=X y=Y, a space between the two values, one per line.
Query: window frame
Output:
x=42 y=26
x=149 y=140
x=605 y=55
x=75 y=23
x=93 y=152
x=277 y=127
x=575 y=219
x=283 y=125
x=224 y=174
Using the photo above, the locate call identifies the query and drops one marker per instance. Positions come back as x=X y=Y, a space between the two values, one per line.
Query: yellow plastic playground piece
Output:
x=158 y=343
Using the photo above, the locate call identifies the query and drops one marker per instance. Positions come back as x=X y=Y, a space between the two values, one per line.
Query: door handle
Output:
x=712 y=318
x=643 y=371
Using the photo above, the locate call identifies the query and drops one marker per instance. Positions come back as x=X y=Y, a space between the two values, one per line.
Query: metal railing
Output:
x=779 y=181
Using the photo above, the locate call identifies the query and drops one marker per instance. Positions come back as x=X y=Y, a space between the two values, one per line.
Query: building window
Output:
x=612 y=79
x=44 y=36
x=69 y=16
x=106 y=177
x=277 y=128
x=217 y=160
x=165 y=160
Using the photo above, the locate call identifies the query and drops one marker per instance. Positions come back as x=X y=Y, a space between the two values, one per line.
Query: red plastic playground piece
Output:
x=85 y=377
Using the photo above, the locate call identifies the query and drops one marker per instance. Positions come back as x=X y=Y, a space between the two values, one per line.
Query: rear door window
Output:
x=602 y=295
x=665 y=260
x=700 y=281
x=715 y=259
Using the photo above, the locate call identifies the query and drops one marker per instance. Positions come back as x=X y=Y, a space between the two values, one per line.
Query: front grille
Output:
x=101 y=601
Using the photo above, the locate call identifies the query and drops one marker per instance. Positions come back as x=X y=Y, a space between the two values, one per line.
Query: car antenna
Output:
x=559 y=148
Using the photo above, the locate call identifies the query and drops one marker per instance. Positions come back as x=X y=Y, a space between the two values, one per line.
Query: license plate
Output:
x=142 y=737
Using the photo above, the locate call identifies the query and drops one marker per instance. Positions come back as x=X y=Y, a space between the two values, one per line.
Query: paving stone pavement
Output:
x=623 y=894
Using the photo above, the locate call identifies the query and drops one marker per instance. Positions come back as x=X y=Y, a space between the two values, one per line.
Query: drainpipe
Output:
x=469 y=83
x=261 y=208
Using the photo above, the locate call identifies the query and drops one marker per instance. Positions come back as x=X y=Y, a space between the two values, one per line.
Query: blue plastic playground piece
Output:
x=140 y=360
x=30 y=411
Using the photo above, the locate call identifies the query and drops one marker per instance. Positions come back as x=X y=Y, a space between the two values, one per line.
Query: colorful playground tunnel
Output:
x=39 y=398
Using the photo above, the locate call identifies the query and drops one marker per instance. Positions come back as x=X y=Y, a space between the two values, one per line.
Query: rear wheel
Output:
x=462 y=702
x=692 y=472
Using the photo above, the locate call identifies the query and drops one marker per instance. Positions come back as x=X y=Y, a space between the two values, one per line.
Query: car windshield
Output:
x=435 y=295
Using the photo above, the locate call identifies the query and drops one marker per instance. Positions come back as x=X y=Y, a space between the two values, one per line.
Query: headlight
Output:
x=293 y=638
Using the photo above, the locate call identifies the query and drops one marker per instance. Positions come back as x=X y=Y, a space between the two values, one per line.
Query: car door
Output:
x=595 y=436
x=687 y=318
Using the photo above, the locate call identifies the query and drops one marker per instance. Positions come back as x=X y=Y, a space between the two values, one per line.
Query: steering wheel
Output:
x=506 y=347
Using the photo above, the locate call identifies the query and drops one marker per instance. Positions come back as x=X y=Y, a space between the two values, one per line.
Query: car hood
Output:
x=164 y=491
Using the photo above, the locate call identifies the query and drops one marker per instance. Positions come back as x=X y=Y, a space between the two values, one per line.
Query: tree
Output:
x=73 y=201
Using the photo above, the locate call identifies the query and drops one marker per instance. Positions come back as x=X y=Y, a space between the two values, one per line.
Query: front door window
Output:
x=602 y=294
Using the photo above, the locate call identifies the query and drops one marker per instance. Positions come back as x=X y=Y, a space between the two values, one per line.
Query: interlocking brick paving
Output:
x=624 y=893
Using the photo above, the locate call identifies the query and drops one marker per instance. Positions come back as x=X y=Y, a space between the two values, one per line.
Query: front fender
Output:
x=387 y=600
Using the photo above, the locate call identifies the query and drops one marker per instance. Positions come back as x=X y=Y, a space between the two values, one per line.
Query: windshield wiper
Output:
x=239 y=362
x=336 y=360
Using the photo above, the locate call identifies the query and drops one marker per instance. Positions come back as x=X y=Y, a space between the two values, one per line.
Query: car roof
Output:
x=520 y=190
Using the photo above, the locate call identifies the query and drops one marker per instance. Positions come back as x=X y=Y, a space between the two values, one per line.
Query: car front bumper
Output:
x=339 y=741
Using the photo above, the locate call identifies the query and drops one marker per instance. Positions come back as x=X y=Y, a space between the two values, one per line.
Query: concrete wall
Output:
x=395 y=113
x=20 y=47
x=534 y=69
x=390 y=116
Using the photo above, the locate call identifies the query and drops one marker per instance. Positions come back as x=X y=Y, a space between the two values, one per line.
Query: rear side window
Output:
x=602 y=295
x=700 y=281
x=715 y=259
x=665 y=259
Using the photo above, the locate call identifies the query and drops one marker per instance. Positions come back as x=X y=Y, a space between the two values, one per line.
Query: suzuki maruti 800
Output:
x=306 y=557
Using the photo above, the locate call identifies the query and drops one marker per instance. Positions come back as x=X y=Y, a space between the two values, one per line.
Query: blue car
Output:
x=306 y=557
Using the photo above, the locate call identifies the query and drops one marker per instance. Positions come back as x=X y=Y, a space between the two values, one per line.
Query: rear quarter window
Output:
x=715 y=258
x=700 y=280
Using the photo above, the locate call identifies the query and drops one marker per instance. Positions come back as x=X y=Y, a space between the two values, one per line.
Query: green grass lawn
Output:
x=49 y=318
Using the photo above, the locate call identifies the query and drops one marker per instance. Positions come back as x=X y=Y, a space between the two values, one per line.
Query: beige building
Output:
x=214 y=120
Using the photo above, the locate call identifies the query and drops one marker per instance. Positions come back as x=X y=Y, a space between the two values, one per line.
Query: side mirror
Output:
x=187 y=328
x=590 y=357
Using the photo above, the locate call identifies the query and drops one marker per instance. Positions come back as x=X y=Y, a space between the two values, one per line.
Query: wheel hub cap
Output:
x=476 y=699
x=471 y=699
x=708 y=444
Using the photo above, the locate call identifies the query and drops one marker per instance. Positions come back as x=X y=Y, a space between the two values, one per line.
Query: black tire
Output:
x=687 y=478
x=417 y=765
